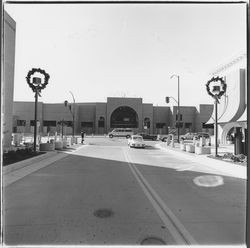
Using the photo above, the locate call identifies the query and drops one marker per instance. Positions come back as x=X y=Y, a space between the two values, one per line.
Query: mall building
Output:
x=232 y=107
x=101 y=117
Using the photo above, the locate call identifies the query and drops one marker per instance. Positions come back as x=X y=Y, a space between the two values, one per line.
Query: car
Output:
x=205 y=135
x=121 y=132
x=136 y=141
x=146 y=136
x=165 y=137
x=189 y=136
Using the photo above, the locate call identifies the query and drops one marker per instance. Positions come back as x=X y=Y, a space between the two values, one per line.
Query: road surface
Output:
x=109 y=194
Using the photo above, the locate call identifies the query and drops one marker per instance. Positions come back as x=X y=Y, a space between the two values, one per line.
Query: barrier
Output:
x=190 y=148
x=202 y=150
x=183 y=147
x=47 y=147
x=58 y=145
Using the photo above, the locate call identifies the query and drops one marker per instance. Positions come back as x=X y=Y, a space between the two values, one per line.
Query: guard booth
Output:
x=240 y=141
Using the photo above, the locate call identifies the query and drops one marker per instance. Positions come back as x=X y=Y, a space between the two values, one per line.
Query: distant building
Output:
x=102 y=117
x=232 y=110
x=9 y=34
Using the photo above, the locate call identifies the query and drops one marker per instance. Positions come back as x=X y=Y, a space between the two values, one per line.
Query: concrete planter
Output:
x=183 y=147
x=47 y=147
x=58 y=145
x=64 y=143
x=202 y=150
x=190 y=148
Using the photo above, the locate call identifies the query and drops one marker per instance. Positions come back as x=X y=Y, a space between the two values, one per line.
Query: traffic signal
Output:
x=167 y=99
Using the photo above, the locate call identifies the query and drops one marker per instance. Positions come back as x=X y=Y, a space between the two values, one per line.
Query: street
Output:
x=106 y=193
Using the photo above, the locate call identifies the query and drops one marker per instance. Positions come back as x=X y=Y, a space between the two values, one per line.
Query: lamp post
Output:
x=178 y=107
x=72 y=112
x=36 y=85
x=218 y=89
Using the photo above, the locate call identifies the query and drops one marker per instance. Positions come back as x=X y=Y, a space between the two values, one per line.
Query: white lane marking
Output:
x=175 y=227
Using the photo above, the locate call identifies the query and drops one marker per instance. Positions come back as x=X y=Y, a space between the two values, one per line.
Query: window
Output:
x=49 y=123
x=87 y=124
x=180 y=124
x=188 y=125
x=101 y=122
x=21 y=123
x=176 y=117
x=204 y=125
x=146 y=122
x=160 y=125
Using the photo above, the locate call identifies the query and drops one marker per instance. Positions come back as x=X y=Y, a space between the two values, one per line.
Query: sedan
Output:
x=189 y=136
x=205 y=135
x=136 y=141
x=146 y=136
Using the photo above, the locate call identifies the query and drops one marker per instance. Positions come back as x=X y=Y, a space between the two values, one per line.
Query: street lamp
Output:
x=218 y=89
x=178 y=108
x=72 y=112
x=36 y=85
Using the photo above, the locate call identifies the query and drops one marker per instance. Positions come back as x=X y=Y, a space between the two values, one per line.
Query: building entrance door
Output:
x=124 y=117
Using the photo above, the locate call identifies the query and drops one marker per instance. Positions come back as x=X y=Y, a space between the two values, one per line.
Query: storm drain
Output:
x=153 y=241
x=103 y=213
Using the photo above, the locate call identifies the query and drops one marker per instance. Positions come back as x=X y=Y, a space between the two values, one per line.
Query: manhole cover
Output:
x=103 y=213
x=153 y=241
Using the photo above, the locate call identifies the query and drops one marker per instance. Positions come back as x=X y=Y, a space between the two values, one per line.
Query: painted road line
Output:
x=175 y=227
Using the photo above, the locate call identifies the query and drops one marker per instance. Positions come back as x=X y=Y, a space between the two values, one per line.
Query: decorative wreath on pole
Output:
x=40 y=86
x=222 y=88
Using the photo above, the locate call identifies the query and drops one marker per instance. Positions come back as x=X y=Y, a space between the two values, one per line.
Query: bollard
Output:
x=168 y=140
x=202 y=141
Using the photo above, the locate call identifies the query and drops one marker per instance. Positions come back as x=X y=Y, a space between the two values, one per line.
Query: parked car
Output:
x=146 y=136
x=165 y=137
x=205 y=135
x=121 y=132
x=136 y=141
x=188 y=136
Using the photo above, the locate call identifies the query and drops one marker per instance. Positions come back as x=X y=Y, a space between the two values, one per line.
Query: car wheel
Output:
x=111 y=136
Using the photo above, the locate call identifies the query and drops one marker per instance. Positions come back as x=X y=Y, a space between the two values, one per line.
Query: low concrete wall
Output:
x=47 y=147
x=58 y=145
x=190 y=148
x=202 y=150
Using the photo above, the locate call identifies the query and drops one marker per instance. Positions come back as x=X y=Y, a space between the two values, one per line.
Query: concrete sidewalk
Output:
x=228 y=168
x=13 y=172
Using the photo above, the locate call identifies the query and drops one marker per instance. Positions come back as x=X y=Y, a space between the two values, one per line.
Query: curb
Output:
x=16 y=166
x=16 y=171
x=226 y=168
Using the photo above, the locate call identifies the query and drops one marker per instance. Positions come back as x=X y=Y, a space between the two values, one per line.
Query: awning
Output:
x=244 y=116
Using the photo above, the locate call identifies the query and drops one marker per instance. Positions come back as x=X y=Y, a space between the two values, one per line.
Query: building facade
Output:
x=102 y=117
x=232 y=109
x=9 y=37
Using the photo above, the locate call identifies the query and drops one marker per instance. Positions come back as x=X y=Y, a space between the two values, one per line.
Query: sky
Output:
x=125 y=50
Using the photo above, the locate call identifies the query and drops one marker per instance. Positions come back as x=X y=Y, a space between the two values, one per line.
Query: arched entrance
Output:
x=227 y=129
x=124 y=117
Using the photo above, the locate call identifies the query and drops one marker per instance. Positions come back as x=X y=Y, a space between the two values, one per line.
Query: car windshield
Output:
x=137 y=138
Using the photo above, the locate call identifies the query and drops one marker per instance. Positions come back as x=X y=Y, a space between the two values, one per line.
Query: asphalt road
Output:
x=109 y=194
